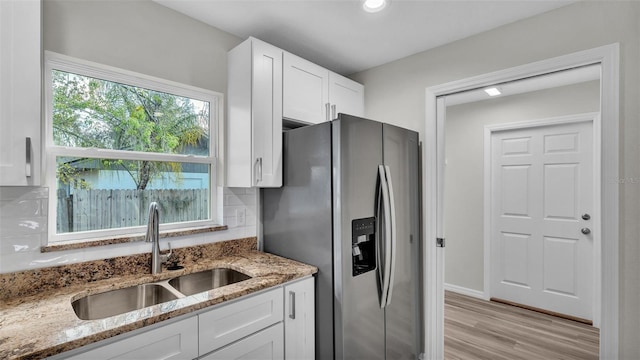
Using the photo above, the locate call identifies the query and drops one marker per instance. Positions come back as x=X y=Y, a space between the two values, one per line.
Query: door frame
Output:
x=608 y=57
x=489 y=130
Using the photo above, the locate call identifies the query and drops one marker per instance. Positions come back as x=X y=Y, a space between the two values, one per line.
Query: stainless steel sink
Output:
x=206 y=280
x=115 y=302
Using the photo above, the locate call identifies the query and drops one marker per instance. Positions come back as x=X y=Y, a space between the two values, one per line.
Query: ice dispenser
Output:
x=363 y=245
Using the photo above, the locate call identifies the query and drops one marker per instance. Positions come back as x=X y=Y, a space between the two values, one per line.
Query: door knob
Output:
x=586 y=216
x=586 y=231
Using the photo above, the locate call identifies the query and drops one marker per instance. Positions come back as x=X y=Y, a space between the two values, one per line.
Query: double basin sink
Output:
x=115 y=302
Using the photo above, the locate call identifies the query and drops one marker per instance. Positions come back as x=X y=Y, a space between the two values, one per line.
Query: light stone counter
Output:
x=37 y=320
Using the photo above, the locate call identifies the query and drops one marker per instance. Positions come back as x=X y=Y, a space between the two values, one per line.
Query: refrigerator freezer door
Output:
x=402 y=314
x=359 y=321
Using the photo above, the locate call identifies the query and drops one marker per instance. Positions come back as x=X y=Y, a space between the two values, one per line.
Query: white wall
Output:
x=140 y=36
x=464 y=149
x=396 y=93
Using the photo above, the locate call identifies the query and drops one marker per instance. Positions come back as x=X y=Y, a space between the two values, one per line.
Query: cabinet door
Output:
x=266 y=115
x=229 y=323
x=20 y=79
x=254 y=126
x=305 y=90
x=346 y=96
x=299 y=321
x=264 y=345
x=176 y=341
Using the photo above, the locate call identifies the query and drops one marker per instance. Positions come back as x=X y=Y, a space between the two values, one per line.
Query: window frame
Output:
x=55 y=61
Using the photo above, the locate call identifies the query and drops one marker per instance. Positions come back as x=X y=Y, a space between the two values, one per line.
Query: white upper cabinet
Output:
x=305 y=90
x=254 y=126
x=346 y=95
x=313 y=94
x=266 y=84
x=20 y=92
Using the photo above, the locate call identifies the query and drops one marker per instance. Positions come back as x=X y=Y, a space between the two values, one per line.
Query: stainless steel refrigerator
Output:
x=350 y=205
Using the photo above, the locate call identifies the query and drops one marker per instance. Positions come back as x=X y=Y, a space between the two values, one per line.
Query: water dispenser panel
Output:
x=363 y=245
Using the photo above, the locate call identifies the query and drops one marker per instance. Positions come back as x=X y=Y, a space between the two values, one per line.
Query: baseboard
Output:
x=464 y=291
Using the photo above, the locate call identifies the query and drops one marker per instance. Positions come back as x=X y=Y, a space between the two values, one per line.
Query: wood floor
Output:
x=478 y=329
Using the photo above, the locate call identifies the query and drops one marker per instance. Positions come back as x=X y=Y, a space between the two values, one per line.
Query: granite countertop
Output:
x=41 y=322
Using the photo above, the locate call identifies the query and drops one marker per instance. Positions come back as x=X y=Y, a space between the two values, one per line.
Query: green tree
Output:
x=95 y=113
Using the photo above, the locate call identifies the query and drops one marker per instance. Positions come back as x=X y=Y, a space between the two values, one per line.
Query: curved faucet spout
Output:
x=153 y=236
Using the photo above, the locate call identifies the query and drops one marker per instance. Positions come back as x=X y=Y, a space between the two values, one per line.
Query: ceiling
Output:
x=541 y=82
x=339 y=35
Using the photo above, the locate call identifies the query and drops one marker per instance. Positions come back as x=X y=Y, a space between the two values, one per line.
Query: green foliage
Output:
x=70 y=175
x=94 y=113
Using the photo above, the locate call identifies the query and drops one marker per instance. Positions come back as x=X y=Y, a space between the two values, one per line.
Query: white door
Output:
x=541 y=215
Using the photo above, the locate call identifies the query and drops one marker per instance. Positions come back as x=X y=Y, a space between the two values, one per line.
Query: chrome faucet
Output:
x=153 y=236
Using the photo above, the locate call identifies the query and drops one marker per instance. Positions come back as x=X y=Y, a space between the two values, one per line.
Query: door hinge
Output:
x=439 y=242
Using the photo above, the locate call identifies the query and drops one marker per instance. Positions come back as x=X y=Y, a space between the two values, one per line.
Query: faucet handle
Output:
x=165 y=257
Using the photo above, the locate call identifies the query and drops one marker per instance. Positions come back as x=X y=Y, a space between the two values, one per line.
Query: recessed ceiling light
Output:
x=374 y=5
x=492 y=91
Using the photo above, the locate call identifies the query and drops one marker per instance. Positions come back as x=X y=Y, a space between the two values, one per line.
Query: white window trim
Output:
x=55 y=61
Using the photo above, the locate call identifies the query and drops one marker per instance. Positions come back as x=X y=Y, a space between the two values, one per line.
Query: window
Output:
x=116 y=141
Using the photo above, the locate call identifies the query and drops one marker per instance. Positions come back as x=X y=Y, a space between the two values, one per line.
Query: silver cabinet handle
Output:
x=292 y=305
x=585 y=231
x=259 y=171
x=333 y=111
x=27 y=168
x=327 y=111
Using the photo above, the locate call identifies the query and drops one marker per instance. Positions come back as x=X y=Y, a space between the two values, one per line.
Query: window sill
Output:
x=71 y=245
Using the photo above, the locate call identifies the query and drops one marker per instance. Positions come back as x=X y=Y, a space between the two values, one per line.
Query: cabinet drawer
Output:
x=174 y=341
x=264 y=345
x=232 y=322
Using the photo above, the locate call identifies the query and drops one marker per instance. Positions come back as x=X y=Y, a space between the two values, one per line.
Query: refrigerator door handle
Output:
x=383 y=271
x=379 y=236
x=393 y=230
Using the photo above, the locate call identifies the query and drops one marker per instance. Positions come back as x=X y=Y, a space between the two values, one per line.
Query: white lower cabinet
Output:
x=251 y=327
x=176 y=341
x=299 y=320
x=232 y=322
x=267 y=344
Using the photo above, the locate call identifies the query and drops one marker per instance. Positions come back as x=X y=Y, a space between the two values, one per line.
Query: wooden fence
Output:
x=107 y=209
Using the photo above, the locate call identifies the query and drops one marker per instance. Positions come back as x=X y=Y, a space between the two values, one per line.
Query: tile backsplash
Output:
x=24 y=228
